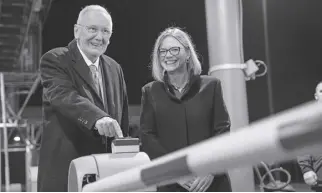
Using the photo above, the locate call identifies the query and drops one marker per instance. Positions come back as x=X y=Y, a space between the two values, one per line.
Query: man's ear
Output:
x=316 y=96
x=76 y=32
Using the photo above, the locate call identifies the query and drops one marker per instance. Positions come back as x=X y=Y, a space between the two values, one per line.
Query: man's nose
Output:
x=99 y=35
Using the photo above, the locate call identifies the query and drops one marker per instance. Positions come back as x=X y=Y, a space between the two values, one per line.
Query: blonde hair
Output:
x=186 y=41
x=92 y=8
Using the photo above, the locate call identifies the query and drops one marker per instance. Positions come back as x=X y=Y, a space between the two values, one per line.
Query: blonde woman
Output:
x=181 y=107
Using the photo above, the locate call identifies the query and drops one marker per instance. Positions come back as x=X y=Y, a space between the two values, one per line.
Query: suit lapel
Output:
x=107 y=73
x=80 y=66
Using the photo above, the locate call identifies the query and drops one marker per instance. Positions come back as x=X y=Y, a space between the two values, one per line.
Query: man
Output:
x=311 y=164
x=84 y=99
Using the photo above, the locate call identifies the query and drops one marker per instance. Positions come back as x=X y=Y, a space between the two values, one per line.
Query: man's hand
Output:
x=108 y=127
x=201 y=184
x=310 y=178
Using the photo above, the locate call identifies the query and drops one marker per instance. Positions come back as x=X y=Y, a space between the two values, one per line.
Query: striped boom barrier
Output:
x=277 y=138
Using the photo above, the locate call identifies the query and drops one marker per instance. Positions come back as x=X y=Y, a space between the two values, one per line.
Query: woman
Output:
x=181 y=107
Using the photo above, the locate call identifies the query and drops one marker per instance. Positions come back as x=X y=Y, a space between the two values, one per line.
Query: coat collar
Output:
x=79 y=64
x=87 y=61
x=170 y=89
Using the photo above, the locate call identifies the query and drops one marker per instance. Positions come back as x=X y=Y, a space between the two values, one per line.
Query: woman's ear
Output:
x=189 y=54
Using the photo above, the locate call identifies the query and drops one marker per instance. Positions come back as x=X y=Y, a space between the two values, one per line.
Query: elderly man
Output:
x=311 y=165
x=84 y=99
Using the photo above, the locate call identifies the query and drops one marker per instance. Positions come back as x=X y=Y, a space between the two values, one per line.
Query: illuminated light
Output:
x=17 y=138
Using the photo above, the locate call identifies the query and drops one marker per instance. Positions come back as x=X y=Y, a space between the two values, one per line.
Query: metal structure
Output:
x=288 y=134
x=20 y=49
x=224 y=30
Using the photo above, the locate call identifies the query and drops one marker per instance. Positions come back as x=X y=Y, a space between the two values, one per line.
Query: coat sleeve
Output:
x=62 y=95
x=125 y=110
x=306 y=163
x=221 y=116
x=149 y=136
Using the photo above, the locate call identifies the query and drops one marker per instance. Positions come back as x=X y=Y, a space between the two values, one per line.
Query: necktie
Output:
x=95 y=76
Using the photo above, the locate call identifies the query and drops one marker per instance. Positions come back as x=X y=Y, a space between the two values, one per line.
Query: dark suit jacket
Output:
x=311 y=163
x=168 y=123
x=71 y=107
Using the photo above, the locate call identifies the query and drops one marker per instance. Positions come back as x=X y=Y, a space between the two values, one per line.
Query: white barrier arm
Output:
x=277 y=138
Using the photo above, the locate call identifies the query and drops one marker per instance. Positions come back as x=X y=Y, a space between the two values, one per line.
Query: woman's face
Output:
x=172 y=54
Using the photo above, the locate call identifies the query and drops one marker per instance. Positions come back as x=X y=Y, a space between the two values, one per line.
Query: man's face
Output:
x=318 y=92
x=93 y=33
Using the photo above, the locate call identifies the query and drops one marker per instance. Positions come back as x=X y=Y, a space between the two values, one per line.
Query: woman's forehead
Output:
x=170 y=41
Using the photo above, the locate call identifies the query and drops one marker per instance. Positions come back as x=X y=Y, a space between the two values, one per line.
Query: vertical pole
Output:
x=28 y=158
x=224 y=31
x=1 y=148
x=5 y=133
x=269 y=74
x=267 y=59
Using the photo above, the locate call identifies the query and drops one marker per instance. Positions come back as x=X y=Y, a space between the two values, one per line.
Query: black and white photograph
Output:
x=161 y=95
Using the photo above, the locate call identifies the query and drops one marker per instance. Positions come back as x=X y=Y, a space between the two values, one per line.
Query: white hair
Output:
x=316 y=88
x=92 y=8
x=186 y=41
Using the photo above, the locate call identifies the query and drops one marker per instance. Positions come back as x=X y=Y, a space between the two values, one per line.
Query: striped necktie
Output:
x=95 y=76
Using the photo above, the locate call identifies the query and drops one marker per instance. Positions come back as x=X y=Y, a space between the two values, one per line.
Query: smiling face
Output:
x=172 y=55
x=93 y=32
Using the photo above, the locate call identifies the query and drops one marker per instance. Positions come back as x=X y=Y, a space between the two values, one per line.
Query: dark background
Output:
x=295 y=43
x=136 y=26
x=294 y=34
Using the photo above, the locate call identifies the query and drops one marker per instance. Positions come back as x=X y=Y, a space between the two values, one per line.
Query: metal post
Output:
x=28 y=158
x=1 y=146
x=30 y=93
x=224 y=30
x=269 y=73
x=5 y=133
x=267 y=59
x=22 y=46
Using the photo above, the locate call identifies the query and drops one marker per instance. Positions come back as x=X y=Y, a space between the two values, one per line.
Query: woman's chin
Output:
x=171 y=68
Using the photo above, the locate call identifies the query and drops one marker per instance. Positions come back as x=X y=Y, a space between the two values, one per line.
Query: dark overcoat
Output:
x=71 y=107
x=169 y=123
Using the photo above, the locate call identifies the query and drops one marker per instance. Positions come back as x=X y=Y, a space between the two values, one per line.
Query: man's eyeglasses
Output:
x=173 y=51
x=94 y=30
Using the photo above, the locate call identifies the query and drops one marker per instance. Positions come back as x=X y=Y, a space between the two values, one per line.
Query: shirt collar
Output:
x=87 y=61
x=191 y=80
